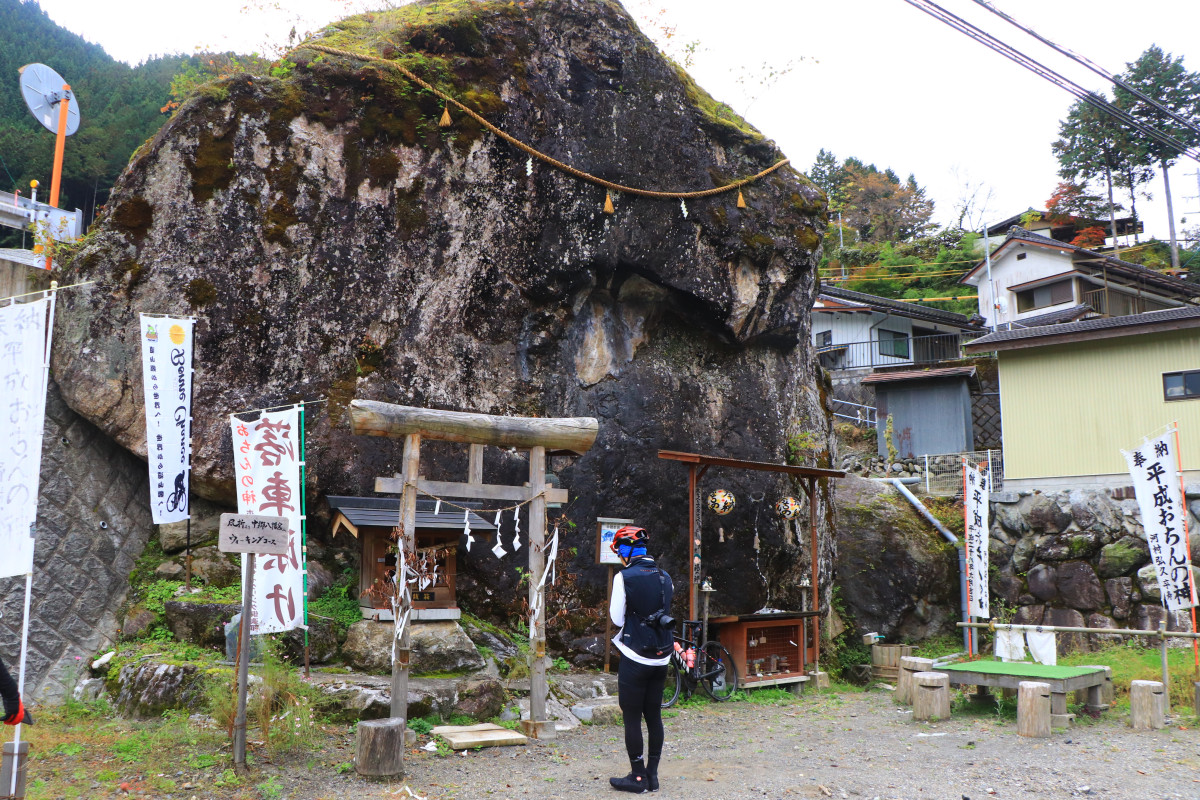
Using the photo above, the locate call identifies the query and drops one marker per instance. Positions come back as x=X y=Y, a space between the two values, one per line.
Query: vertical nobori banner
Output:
x=167 y=385
x=1154 y=469
x=22 y=379
x=975 y=508
x=266 y=456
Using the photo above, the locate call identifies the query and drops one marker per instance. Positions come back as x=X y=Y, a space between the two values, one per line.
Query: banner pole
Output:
x=51 y=295
x=304 y=538
x=967 y=546
x=1187 y=549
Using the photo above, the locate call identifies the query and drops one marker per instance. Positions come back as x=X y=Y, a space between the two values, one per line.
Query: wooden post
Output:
x=475 y=464
x=1033 y=709
x=538 y=727
x=692 y=538
x=239 y=723
x=408 y=521
x=379 y=748
x=931 y=696
x=816 y=591
x=608 y=623
x=1146 y=705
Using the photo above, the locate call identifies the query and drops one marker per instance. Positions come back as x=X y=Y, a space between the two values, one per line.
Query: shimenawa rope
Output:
x=554 y=162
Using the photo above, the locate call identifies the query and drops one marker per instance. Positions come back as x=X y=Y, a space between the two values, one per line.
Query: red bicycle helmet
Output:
x=634 y=537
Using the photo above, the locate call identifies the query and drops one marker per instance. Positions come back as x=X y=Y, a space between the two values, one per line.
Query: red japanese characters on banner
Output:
x=267 y=474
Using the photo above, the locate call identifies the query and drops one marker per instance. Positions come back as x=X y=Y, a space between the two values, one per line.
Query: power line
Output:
x=1087 y=63
x=1041 y=70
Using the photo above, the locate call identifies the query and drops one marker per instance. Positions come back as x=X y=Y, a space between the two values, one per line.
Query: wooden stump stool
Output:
x=1098 y=698
x=1033 y=709
x=909 y=665
x=1146 y=705
x=379 y=748
x=931 y=696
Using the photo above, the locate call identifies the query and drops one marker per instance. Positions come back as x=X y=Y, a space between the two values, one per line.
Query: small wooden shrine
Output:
x=373 y=521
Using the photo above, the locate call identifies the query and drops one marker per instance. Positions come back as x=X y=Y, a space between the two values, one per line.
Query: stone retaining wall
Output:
x=1078 y=558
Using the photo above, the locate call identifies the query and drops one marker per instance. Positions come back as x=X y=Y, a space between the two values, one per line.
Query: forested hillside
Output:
x=120 y=107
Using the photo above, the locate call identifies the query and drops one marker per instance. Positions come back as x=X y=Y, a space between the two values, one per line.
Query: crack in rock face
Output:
x=334 y=242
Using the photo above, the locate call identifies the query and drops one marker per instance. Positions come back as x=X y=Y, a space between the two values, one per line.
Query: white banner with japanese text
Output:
x=167 y=386
x=22 y=413
x=1154 y=468
x=975 y=508
x=267 y=471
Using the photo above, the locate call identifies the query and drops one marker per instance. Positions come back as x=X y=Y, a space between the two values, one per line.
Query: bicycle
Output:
x=711 y=667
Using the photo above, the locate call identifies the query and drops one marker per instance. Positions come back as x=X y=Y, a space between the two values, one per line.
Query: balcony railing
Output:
x=1108 y=303
x=893 y=352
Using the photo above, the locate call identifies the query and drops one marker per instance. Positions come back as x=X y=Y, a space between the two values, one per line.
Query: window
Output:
x=1181 y=385
x=1051 y=294
x=824 y=338
x=893 y=343
x=1021 y=256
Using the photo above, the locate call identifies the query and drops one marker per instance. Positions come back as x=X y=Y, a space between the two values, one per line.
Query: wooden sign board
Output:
x=247 y=533
x=423 y=597
x=605 y=528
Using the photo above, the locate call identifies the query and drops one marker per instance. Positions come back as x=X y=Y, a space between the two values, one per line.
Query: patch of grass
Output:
x=768 y=696
x=1132 y=662
x=339 y=602
x=938 y=646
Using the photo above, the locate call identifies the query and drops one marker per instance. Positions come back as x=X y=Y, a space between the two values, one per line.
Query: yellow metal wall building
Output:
x=1069 y=409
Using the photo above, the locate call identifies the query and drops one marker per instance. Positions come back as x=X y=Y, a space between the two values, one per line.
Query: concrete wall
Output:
x=93 y=523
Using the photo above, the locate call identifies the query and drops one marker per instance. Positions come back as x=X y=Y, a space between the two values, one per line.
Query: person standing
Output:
x=14 y=709
x=640 y=608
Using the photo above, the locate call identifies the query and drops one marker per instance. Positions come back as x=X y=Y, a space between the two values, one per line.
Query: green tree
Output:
x=1163 y=77
x=1092 y=144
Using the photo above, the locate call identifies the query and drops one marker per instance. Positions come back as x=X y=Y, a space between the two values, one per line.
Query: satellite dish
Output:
x=42 y=89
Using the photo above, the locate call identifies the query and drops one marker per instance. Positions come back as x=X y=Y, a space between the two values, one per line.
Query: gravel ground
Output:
x=833 y=745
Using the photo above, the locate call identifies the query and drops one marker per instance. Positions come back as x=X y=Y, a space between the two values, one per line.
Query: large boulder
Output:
x=322 y=642
x=199 y=623
x=1043 y=581
x=436 y=647
x=335 y=242
x=480 y=699
x=896 y=575
x=147 y=689
x=173 y=537
x=214 y=568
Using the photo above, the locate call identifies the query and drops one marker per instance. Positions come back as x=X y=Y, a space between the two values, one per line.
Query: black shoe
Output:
x=635 y=782
x=652 y=774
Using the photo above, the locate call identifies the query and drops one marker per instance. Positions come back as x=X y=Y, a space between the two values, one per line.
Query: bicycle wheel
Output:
x=674 y=683
x=718 y=673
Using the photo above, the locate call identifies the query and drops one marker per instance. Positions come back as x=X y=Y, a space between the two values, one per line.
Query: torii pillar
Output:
x=541 y=436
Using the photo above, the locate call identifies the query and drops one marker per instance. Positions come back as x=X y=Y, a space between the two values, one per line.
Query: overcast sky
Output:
x=875 y=79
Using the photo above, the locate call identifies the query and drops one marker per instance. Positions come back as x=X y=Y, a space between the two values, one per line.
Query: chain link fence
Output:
x=943 y=474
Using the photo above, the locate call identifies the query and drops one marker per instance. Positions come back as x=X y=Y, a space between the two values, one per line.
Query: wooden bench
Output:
x=1009 y=674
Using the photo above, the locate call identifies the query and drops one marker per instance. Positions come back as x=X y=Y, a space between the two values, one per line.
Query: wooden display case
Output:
x=769 y=649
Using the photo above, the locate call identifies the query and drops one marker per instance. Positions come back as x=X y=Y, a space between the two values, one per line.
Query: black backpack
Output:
x=649 y=636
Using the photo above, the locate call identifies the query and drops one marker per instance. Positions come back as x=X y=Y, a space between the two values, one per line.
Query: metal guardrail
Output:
x=21 y=212
x=893 y=352
x=859 y=414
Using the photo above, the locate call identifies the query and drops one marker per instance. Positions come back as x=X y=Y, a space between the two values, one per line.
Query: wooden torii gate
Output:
x=540 y=436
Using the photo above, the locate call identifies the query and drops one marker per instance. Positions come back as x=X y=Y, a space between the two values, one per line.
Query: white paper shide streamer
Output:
x=167 y=389
x=22 y=378
x=267 y=471
x=1154 y=469
x=975 y=506
x=539 y=599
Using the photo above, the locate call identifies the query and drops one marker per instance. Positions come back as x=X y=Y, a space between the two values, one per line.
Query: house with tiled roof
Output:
x=1034 y=280
x=1074 y=394
x=855 y=330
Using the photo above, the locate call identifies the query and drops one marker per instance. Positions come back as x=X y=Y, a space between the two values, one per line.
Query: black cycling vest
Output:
x=644 y=594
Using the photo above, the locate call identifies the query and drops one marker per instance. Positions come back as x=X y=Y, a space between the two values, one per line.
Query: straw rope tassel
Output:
x=741 y=200
x=445 y=121
x=608 y=206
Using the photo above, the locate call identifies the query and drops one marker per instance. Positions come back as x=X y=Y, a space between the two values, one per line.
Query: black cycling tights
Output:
x=640 y=691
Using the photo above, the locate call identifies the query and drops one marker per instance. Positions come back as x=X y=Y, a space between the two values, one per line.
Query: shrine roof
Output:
x=384 y=512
